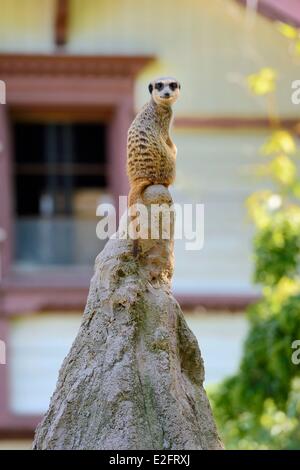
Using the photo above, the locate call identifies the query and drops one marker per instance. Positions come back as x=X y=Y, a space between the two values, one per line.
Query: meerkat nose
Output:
x=167 y=94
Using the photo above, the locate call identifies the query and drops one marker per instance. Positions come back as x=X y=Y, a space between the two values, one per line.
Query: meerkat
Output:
x=151 y=154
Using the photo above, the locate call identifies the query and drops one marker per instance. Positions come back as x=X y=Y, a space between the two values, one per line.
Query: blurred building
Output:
x=75 y=73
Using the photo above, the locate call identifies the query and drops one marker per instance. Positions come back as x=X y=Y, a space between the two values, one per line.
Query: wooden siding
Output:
x=217 y=169
x=209 y=46
x=27 y=25
x=38 y=344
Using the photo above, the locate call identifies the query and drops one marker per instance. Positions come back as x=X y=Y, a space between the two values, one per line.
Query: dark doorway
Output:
x=60 y=178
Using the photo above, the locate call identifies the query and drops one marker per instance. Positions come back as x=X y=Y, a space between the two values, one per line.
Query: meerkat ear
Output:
x=150 y=88
x=179 y=86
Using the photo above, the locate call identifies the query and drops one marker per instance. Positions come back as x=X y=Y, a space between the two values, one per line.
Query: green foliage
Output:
x=277 y=247
x=293 y=34
x=280 y=141
x=272 y=428
x=259 y=407
x=262 y=82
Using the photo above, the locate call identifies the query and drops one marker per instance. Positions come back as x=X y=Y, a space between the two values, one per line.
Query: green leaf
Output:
x=263 y=82
x=280 y=141
x=287 y=30
x=297 y=47
x=283 y=169
x=257 y=205
x=296 y=189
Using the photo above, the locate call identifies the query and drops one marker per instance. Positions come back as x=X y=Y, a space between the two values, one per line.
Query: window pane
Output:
x=60 y=178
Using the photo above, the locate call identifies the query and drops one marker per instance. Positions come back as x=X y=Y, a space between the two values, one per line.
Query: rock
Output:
x=133 y=378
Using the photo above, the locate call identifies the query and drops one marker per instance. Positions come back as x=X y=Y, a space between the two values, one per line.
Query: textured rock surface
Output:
x=133 y=377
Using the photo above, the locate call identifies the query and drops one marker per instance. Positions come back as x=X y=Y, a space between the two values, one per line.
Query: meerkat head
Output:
x=165 y=90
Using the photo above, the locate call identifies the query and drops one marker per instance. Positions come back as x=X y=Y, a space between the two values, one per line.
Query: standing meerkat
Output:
x=151 y=154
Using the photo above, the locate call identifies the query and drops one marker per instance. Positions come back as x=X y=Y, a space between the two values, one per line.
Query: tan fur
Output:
x=151 y=154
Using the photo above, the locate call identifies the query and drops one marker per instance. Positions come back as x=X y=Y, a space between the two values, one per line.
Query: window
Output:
x=60 y=178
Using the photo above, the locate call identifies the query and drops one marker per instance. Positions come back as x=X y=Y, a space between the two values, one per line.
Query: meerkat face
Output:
x=165 y=91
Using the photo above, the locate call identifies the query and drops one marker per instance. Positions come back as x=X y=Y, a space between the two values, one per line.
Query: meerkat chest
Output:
x=151 y=152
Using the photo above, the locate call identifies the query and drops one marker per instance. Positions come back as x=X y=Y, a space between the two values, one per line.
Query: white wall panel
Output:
x=26 y=25
x=209 y=45
x=218 y=170
x=38 y=345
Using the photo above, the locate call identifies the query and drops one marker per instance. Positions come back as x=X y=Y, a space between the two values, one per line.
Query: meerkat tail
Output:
x=137 y=190
x=135 y=194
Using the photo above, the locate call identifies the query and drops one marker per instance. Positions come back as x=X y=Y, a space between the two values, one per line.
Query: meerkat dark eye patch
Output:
x=159 y=86
x=173 y=86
